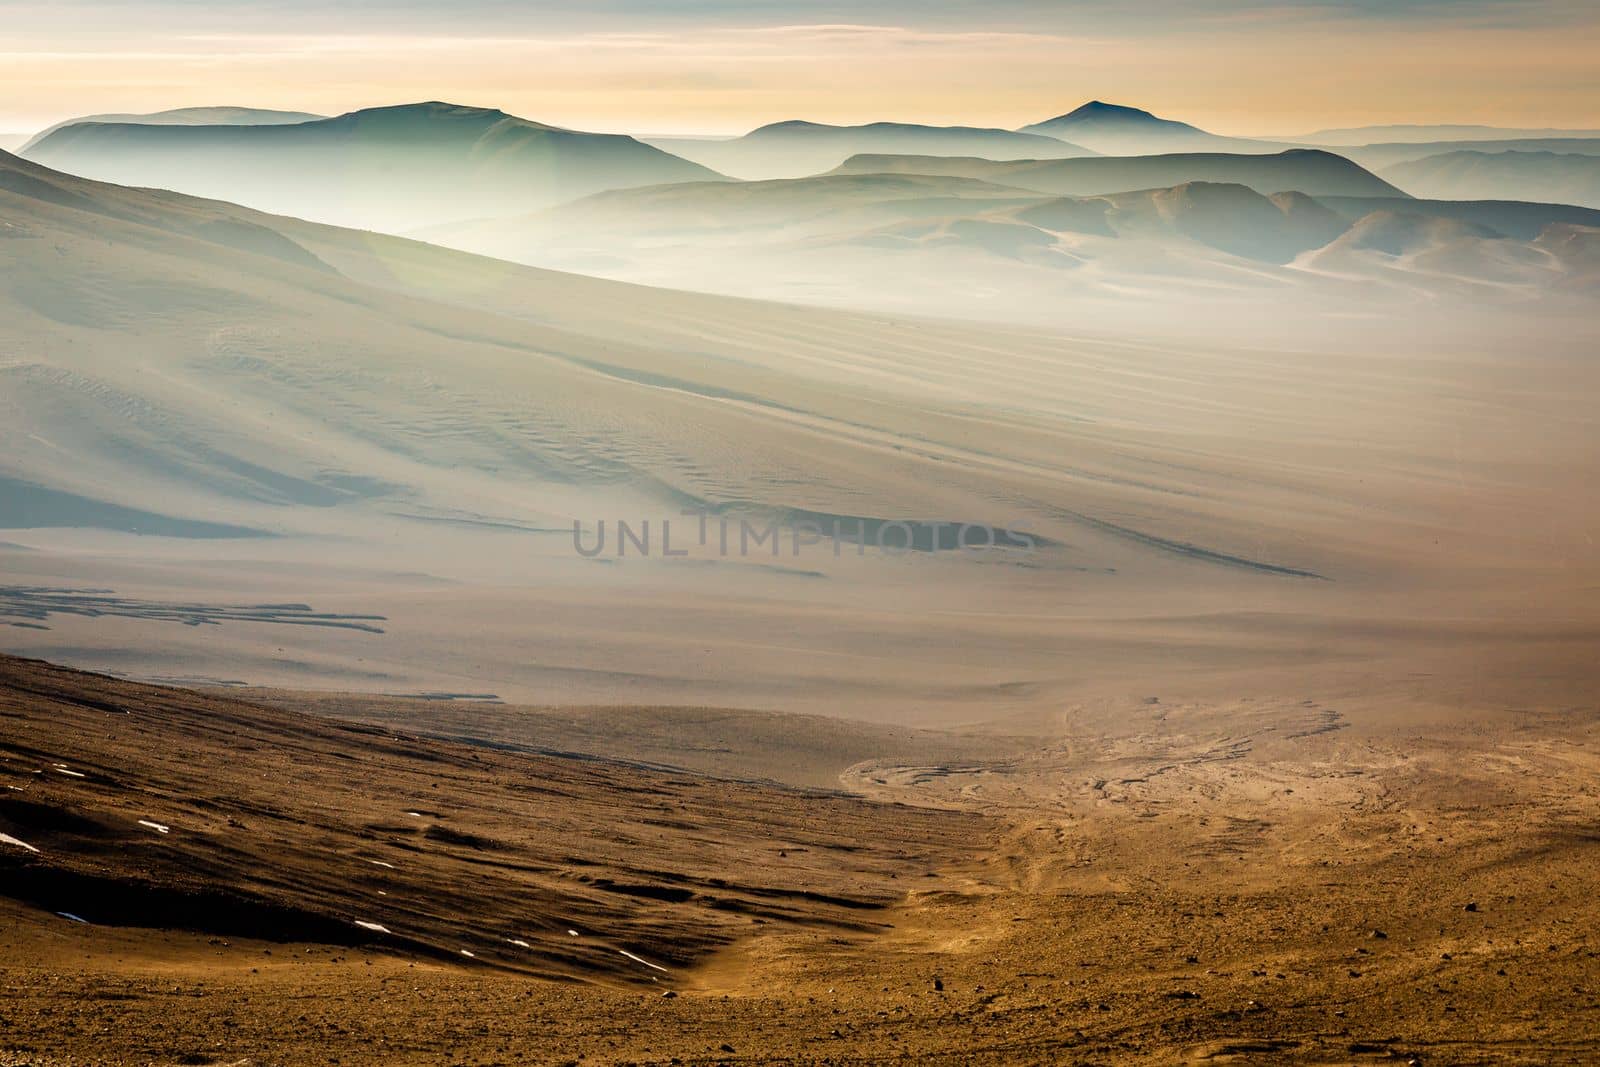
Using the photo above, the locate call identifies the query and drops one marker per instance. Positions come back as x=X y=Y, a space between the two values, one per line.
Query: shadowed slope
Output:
x=383 y=168
x=795 y=149
x=1309 y=171
x=1114 y=129
x=189 y=116
x=130 y=805
x=1547 y=177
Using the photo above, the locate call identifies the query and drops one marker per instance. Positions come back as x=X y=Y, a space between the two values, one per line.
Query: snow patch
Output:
x=647 y=963
x=7 y=839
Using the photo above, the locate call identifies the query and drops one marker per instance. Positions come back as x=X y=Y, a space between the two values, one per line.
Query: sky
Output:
x=714 y=66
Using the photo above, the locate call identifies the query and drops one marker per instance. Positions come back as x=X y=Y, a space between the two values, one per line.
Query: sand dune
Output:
x=408 y=432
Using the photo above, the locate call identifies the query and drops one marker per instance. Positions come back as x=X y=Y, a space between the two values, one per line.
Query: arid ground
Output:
x=1161 y=881
x=1274 y=741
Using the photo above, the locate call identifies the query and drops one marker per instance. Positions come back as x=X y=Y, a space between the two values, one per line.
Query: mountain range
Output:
x=384 y=168
x=797 y=149
x=1304 y=170
x=959 y=245
x=1550 y=177
x=1113 y=129
x=1413 y=133
x=188 y=116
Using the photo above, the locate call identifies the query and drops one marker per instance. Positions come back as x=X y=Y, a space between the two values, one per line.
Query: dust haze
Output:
x=1158 y=623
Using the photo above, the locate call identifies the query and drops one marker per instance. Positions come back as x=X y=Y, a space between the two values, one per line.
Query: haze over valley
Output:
x=885 y=587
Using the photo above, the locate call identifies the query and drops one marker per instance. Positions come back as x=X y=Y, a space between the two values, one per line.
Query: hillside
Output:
x=797 y=149
x=1116 y=130
x=1309 y=171
x=1545 y=177
x=384 y=168
x=188 y=116
x=193 y=878
x=1382 y=156
x=1414 y=133
x=907 y=241
x=1503 y=218
x=350 y=461
x=132 y=806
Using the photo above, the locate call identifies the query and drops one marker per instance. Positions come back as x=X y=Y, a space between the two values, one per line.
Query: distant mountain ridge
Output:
x=796 y=148
x=1306 y=170
x=1413 y=133
x=386 y=168
x=1548 y=177
x=189 y=116
x=1115 y=129
x=982 y=240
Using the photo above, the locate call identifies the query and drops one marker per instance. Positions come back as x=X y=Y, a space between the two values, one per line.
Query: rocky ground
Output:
x=1253 y=883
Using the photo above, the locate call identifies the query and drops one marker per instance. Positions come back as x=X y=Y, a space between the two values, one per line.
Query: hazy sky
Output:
x=1236 y=66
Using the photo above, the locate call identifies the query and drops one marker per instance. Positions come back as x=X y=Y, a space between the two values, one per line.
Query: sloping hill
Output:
x=1310 y=171
x=797 y=149
x=1545 y=177
x=394 y=429
x=1435 y=253
x=1413 y=133
x=1379 y=157
x=1113 y=129
x=906 y=239
x=189 y=116
x=323 y=381
x=132 y=806
x=1504 y=218
x=1229 y=218
x=716 y=214
x=384 y=168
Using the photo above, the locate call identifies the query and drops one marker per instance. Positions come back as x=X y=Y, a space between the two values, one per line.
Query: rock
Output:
x=938 y=984
x=1379 y=935
x=668 y=995
x=1473 y=906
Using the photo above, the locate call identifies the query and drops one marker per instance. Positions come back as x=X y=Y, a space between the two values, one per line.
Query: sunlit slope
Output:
x=204 y=363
